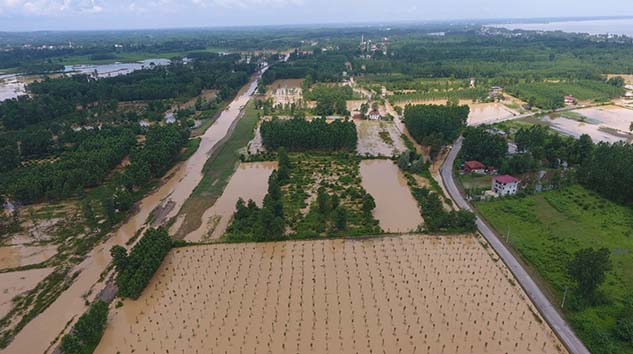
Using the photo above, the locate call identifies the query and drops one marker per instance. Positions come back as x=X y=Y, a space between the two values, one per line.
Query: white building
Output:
x=505 y=185
x=374 y=115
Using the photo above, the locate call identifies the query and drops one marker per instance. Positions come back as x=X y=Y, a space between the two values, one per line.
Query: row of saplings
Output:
x=134 y=272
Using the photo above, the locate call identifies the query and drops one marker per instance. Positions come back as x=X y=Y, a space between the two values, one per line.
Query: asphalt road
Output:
x=547 y=310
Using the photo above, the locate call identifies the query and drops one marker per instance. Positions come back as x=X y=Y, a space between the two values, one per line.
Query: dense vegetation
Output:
x=67 y=99
x=435 y=125
x=134 y=271
x=86 y=164
x=330 y=99
x=550 y=95
x=320 y=67
x=299 y=134
x=86 y=333
x=483 y=146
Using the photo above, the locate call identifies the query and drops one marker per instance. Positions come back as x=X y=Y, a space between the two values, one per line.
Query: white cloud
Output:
x=50 y=7
x=247 y=3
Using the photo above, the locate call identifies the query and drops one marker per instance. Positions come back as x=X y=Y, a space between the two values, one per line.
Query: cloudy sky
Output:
x=20 y=15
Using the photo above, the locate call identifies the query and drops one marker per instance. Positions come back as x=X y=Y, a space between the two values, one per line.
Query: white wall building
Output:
x=505 y=185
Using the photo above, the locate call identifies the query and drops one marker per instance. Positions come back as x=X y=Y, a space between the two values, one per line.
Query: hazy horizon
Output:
x=60 y=15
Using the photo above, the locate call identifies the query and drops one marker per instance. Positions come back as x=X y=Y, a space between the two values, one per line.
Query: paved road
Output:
x=558 y=324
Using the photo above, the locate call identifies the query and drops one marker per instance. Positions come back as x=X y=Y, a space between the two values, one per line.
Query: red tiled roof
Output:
x=474 y=165
x=505 y=179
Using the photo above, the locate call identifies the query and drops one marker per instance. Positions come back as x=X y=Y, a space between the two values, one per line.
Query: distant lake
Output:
x=620 y=26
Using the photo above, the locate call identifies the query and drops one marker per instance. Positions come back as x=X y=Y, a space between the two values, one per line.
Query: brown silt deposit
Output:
x=407 y=294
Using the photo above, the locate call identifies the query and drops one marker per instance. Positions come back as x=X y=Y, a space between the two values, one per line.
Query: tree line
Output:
x=252 y=223
x=317 y=67
x=298 y=134
x=85 y=335
x=135 y=270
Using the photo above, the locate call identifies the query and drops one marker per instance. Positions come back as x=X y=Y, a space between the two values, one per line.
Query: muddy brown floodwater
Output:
x=19 y=256
x=250 y=181
x=406 y=294
x=396 y=210
x=15 y=283
x=37 y=335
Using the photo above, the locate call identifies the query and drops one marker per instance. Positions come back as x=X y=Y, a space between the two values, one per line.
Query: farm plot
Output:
x=378 y=138
x=338 y=176
x=408 y=294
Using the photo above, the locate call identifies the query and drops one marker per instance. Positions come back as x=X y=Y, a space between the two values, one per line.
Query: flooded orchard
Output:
x=407 y=294
x=396 y=210
x=250 y=181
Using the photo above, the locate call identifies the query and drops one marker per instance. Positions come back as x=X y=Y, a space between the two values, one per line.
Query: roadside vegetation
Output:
x=548 y=229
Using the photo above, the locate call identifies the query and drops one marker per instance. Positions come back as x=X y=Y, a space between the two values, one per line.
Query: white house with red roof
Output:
x=505 y=185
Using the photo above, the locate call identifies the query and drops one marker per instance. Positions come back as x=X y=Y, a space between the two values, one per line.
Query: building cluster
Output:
x=502 y=186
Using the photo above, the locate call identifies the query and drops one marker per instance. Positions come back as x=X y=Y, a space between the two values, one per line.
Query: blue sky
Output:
x=20 y=15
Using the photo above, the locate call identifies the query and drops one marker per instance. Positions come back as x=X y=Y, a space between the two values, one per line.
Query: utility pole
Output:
x=562 y=305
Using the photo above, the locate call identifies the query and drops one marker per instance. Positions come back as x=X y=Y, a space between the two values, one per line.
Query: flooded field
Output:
x=408 y=294
x=250 y=181
x=486 y=113
x=115 y=69
x=178 y=184
x=607 y=123
x=378 y=138
x=15 y=283
x=396 y=210
x=11 y=87
x=286 y=91
x=480 y=113
x=19 y=256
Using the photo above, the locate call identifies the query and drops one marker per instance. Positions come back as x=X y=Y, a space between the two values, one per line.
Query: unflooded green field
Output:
x=548 y=228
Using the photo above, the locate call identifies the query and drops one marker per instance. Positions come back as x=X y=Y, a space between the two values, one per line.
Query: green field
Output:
x=550 y=95
x=548 y=228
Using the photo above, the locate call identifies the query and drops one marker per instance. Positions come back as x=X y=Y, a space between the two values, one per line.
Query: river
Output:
x=37 y=335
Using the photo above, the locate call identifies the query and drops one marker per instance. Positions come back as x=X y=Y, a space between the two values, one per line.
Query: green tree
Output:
x=589 y=268
x=369 y=204
x=340 y=218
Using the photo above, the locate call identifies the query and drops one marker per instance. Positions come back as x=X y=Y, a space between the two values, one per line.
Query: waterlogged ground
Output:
x=15 y=283
x=408 y=294
x=605 y=123
x=396 y=210
x=19 y=256
x=250 y=181
x=378 y=138
x=480 y=113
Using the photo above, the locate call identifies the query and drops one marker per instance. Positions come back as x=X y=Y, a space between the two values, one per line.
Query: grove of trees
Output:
x=298 y=134
x=85 y=335
x=483 y=146
x=433 y=125
x=134 y=271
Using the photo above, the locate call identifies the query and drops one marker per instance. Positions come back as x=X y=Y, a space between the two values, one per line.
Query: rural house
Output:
x=569 y=100
x=474 y=167
x=505 y=185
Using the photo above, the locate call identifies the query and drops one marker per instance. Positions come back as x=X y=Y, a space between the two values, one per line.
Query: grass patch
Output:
x=548 y=228
x=218 y=170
